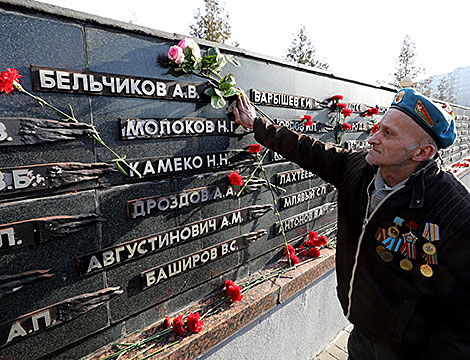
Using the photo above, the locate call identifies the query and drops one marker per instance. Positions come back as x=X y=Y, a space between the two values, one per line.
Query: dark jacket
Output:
x=411 y=313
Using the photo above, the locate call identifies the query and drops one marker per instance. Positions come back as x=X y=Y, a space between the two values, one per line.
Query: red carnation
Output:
x=321 y=241
x=302 y=249
x=229 y=283
x=312 y=235
x=347 y=126
x=255 y=148
x=314 y=252
x=7 y=78
x=307 y=119
x=178 y=325
x=337 y=97
x=295 y=260
x=374 y=111
x=235 y=178
x=346 y=112
x=194 y=323
x=375 y=129
x=341 y=106
x=168 y=322
x=291 y=250
x=233 y=291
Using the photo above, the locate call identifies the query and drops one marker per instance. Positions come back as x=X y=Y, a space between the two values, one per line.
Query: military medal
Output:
x=381 y=251
x=431 y=233
x=386 y=256
x=393 y=241
x=406 y=264
x=429 y=249
x=409 y=248
x=426 y=270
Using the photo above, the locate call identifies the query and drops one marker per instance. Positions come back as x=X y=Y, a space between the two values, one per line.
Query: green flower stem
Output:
x=277 y=188
x=135 y=356
x=161 y=349
x=260 y=161
x=281 y=224
x=95 y=134
x=215 y=73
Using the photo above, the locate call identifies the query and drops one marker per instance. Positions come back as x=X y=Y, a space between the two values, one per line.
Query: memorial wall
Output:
x=88 y=251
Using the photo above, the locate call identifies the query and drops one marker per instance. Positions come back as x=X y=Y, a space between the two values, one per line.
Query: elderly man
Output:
x=403 y=247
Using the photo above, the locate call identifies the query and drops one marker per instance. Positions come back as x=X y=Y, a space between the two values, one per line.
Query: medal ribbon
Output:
x=381 y=234
x=431 y=232
x=392 y=243
x=430 y=259
x=409 y=250
x=398 y=221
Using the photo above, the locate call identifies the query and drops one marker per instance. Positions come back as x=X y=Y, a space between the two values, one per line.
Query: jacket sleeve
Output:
x=324 y=160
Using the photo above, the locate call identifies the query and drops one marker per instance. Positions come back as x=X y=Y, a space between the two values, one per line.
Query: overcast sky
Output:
x=358 y=38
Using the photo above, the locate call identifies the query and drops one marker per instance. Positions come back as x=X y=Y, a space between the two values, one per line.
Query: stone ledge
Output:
x=256 y=302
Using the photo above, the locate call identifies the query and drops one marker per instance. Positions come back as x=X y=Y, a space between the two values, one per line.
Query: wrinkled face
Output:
x=392 y=143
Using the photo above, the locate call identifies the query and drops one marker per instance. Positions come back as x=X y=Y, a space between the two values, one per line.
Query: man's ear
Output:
x=424 y=152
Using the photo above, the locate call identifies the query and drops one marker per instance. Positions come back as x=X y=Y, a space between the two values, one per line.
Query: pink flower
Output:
x=176 y=54
x=186 y=42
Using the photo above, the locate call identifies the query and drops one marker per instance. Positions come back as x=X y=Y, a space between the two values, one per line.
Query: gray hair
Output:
x=425 y=139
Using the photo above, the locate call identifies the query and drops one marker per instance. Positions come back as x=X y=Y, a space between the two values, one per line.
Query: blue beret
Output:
x=432 y=117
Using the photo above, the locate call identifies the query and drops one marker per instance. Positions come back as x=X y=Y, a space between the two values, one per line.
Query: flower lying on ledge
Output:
x=290 y=253
x=311 y=247
x=235 y=178
x=168 y=322
x=194 y=322
x=178 y=325
x=233 y=291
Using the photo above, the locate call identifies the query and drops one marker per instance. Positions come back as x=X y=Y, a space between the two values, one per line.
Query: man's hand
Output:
x=245 y=114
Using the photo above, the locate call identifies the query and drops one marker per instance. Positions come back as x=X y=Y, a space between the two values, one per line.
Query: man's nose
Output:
x=375 y=139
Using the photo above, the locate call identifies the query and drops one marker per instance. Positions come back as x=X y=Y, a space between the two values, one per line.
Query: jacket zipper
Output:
x=364 y=225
